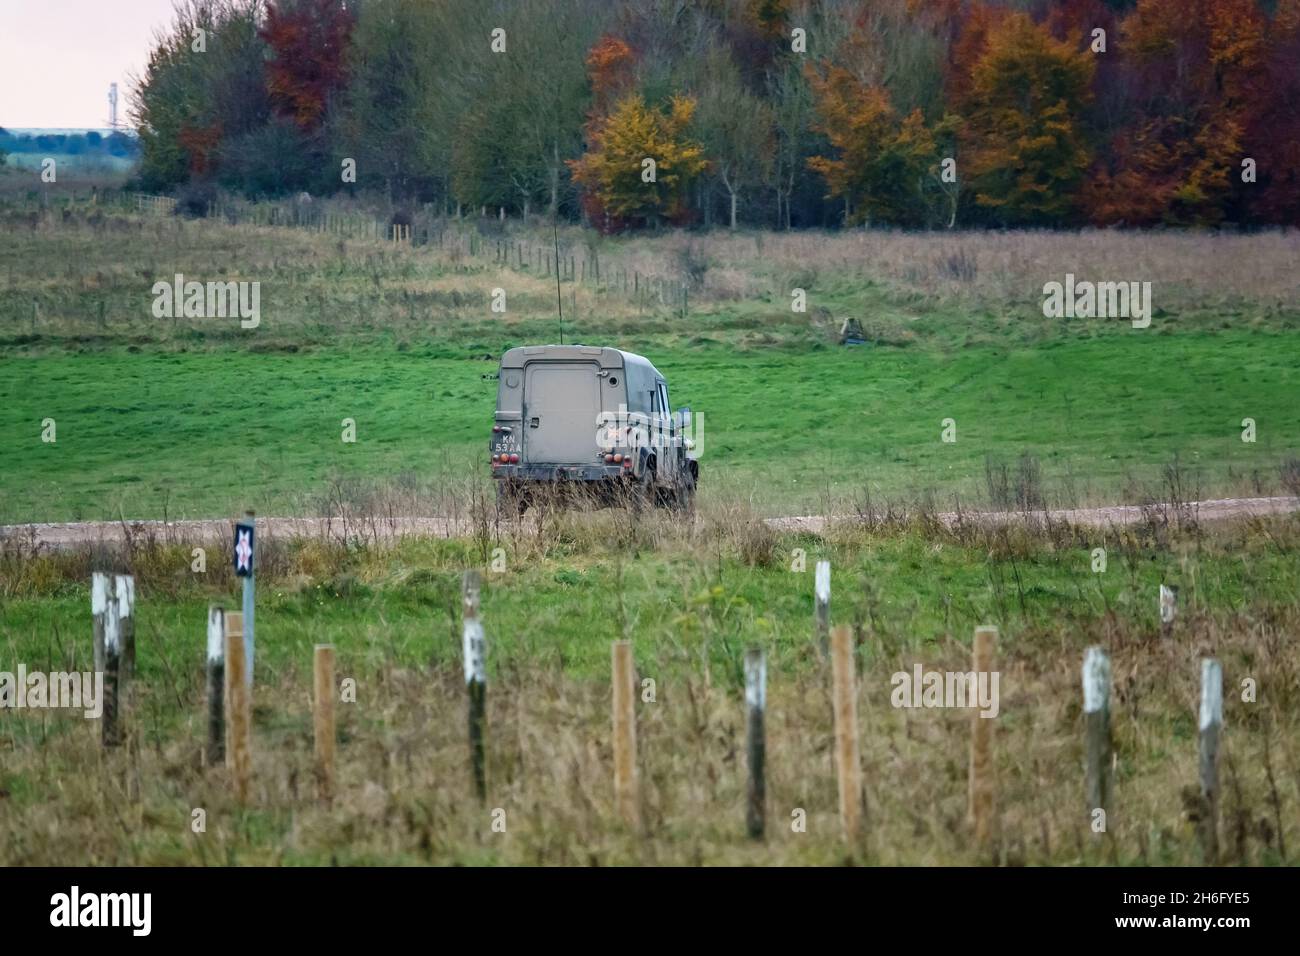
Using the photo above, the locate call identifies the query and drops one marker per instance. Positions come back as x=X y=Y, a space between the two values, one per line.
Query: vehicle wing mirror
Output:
x=684 y=417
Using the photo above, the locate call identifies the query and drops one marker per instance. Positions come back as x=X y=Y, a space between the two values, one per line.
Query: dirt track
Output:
x=1213 y=510
x=74 y=534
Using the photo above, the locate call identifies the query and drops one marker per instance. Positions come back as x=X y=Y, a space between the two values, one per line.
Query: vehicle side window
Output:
x=638 y=397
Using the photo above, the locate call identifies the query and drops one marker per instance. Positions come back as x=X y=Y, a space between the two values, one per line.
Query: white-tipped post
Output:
x=216 y=674
x=1096 y=716
x=822 y=598
x=1211 y=728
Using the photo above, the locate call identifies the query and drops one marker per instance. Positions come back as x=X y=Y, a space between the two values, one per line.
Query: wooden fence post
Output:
x=981 y=743
x=847 y=761
x=238 y=716
x=475 y=655
x=323 y=719
x=822 y=602
x=216 y=672
x=111 y=734
x=1096 y=716
x=625 y=775
x=99 y=591
x=756 y=745
x=234 y=620
x=124 y=586
x=1168 y=609
x=1211 y=726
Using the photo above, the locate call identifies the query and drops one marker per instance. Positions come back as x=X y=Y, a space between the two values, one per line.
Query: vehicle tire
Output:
x=643 y=493
x=511 y=502
x=684 y=498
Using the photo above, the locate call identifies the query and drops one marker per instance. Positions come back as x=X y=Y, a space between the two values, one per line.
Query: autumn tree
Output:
x=1190 y=69
x=1025 y=152
x=1187 y=119
x=1272 y=132
x=883 y=164
x=640 y=163
x=306 y=67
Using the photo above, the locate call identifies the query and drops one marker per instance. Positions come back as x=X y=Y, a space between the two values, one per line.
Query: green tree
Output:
x=735 y=127
x=388 y=126
x=189 y=101
x=791 y=103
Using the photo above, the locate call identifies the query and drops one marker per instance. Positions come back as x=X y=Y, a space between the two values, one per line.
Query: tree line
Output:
x=629 y=114
x=90 y=143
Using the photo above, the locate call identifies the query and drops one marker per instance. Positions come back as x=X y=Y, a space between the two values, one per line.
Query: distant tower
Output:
x=112 y=106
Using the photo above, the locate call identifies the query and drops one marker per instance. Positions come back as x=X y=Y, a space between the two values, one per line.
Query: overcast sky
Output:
x=58 y=57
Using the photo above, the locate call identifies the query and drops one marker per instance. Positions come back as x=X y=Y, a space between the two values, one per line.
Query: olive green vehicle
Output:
x=589 y=419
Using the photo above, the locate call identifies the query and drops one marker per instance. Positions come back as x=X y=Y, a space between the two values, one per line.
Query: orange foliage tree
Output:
x=882 y=165
x=1272 y=133
x=1024 y=150
x=1190 y=66
x=616 y=172
x=308 y=41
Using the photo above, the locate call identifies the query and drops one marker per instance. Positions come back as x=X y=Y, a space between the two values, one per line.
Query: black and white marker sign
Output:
x=244 y=550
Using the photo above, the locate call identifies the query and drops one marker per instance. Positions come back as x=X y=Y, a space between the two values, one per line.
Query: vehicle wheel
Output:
x=643 y=493
x=511 y=502
x=684 y=499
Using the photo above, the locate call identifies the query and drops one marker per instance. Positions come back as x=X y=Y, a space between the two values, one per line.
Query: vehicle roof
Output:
x=609 y=357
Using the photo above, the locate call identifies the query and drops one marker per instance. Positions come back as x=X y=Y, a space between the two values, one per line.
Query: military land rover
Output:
x=592 y=420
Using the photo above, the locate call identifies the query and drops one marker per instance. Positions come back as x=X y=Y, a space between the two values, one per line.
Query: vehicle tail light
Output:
x=609 y=459
x=627 y=462
x=618 y=458
x=514 y=459
x=496 y=428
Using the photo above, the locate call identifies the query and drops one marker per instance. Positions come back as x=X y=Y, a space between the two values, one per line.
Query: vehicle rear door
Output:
x=561 y=411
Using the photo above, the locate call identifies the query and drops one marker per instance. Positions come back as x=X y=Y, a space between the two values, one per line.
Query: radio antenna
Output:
x=559 y=304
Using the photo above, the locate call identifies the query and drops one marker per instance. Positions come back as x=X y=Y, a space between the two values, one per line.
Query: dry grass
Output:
x=1187 y=268
x=404 y=788
x=890 y=280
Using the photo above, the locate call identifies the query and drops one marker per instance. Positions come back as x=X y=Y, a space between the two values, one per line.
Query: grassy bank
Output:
x=205 y=433
x=198 y=417
x=690 y=601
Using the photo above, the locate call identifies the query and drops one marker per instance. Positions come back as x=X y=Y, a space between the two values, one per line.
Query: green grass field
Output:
x=202 y=433
x=198 y=418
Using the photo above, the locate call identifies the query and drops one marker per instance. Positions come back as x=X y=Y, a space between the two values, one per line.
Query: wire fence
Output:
x=485 y=239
